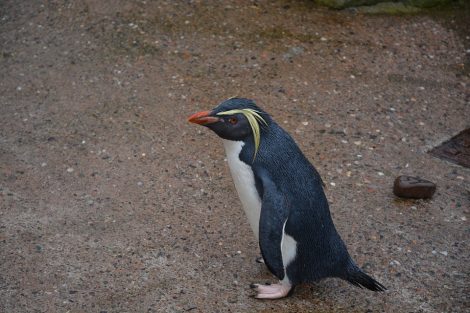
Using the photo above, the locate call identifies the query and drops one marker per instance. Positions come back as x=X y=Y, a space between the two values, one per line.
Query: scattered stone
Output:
x=413 y=187
x=292 y=52
x=70 y=170
x=394 y=263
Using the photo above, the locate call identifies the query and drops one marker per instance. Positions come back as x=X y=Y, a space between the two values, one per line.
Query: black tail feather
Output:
x=360 y=279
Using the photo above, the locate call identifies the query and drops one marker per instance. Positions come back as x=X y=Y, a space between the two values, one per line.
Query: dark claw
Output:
x=253 y=286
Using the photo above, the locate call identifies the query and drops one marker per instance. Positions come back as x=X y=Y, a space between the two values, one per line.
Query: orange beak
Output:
x=202 y=118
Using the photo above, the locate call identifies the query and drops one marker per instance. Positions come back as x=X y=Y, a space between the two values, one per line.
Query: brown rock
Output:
x=413 y=187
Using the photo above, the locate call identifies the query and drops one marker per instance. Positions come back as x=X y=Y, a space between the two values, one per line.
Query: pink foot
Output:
x=274 y=291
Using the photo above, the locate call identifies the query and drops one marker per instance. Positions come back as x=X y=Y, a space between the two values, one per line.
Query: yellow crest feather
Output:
x=254 y=118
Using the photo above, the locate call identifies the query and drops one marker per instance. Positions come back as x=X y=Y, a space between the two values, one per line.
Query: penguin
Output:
x=282 y=195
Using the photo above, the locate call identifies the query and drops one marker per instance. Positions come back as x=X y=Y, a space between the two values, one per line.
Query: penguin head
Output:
x=236 y=119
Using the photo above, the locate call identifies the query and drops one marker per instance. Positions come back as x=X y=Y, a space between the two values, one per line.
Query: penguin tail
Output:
x=358 y=278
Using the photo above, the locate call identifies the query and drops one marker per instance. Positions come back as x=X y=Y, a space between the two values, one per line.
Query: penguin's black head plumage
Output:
x=234 y=119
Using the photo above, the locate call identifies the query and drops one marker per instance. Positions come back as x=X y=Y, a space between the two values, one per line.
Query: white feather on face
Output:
x=244 y=180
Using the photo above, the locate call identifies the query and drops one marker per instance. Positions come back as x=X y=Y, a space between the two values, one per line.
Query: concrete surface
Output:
x=112 y=202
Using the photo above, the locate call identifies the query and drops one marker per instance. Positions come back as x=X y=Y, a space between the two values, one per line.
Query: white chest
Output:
x=244 y=180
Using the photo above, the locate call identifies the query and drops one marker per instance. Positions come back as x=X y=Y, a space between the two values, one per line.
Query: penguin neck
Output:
x=244 y=180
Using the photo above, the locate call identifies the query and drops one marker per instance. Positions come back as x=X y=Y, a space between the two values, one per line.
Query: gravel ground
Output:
x=111 y=202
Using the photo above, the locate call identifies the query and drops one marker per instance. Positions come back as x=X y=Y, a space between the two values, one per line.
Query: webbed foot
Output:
x=273 y=291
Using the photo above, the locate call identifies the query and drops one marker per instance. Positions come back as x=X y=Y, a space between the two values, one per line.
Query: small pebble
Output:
x=70 y=170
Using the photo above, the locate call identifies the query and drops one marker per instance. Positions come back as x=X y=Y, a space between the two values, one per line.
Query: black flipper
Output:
x=274 y=213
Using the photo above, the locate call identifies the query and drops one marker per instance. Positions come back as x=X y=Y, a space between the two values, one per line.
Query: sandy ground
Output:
x=112 y=202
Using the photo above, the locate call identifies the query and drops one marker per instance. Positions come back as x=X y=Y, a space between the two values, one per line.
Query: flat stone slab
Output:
x=413 y=187
x=455 y=150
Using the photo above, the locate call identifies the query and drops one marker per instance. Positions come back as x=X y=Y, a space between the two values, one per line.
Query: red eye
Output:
x=233 y=120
